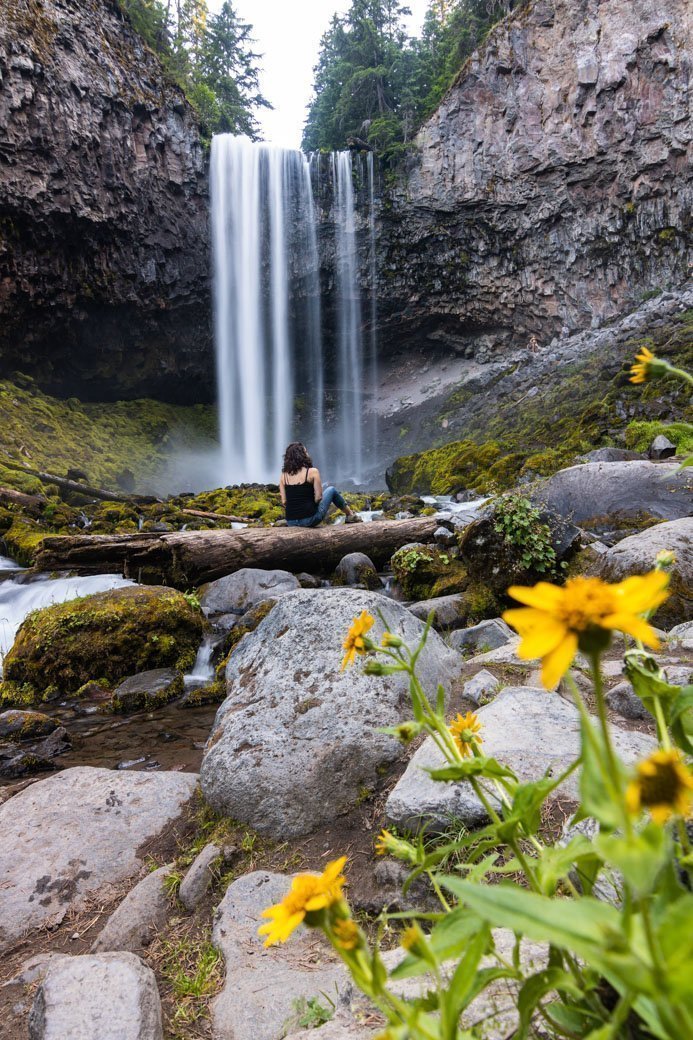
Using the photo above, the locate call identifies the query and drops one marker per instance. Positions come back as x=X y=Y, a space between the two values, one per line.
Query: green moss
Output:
x=105 y=440
x=23 y=540
x=145 y=700
x=445 y=470
x=255 y=502
x=215 y=693
x=640 y=434
x=112 y=634
x=425 y=571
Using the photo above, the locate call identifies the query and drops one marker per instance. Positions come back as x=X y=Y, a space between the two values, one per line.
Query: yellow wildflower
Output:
x=387 y=844
x=641 y=371
x=465 y=730
x=663 y=785
x=354 y=643
x=390 y=639
x=347 y=934
x=411 y=937
x=557 y=620
x=382 y=842
x=309 y=893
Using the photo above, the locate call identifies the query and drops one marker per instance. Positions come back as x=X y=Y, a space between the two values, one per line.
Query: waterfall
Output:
x=281 y=374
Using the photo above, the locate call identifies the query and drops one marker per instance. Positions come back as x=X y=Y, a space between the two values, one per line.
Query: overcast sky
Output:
x=288 y=36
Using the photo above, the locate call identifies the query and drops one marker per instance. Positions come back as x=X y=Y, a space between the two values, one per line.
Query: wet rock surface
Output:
x=75 y=834
x=244 y=589
x=297 y=739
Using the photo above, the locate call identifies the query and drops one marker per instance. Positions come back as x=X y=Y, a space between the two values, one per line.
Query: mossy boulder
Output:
x=426 y=571
x=146 y=691
x=452 y=467
x=109 y=635
x=214 y=693
x=25 y=725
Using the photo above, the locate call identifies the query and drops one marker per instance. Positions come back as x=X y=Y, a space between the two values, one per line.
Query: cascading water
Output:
x=278 y=377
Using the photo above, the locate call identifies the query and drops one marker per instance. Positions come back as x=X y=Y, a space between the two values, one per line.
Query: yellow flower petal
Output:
x=641 y=593
x=541 y=641
x=557 y=663
x=544 y=596
x=633 y=626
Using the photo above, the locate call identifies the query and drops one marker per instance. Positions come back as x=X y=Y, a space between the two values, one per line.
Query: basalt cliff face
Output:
x=104 y=242
x=551 y=189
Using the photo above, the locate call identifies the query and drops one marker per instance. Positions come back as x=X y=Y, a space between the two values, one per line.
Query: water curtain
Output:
x=289 y=367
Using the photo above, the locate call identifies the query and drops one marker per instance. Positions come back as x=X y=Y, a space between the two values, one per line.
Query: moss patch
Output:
x=110 y=635
x=639 y=435
x=425 y=571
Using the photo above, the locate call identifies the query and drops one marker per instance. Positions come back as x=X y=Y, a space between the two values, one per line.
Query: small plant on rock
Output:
x=522 y=529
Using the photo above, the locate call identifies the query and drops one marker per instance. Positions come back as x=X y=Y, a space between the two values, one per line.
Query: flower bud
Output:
x=389 y=639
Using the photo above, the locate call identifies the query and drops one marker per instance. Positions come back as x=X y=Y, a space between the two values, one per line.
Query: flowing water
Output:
x=287 y=366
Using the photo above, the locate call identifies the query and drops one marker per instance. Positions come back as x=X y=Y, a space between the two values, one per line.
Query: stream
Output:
x=171 y=737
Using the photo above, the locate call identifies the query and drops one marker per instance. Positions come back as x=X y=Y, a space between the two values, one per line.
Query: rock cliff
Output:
x=104 y=269
x=551 y=189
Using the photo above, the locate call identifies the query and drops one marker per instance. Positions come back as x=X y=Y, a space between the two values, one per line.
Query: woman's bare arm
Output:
x=282 y=492
x=317 y=483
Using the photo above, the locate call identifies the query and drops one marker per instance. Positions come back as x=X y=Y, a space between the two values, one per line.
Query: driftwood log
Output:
x=188 y=558
x=76 y=487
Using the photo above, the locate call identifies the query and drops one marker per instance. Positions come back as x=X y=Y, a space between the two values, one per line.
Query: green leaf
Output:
x=675 y=935
x=536 y=987
x=639 y=858
x=646 y=679
x=680 y=719
x=472 y=766
x=448 y=939
x=588 y=928
x=557 y=861
x=596 y=797
x=459 y=990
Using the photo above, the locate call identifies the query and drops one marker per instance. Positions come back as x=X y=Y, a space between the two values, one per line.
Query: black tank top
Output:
x=300 y=499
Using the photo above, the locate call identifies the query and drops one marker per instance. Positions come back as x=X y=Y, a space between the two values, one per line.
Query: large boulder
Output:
x=110 y=996
x=357 y=569
x=262 y=985
x=618 y=490
x=105 y=636
x=297 y=739
x=135 y=922
x=244 y=589
x=637 y=555
x=527 y=729
x=72 y=836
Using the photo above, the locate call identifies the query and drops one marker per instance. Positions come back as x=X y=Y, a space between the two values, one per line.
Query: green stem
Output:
x=662 y=731
x=611 y=760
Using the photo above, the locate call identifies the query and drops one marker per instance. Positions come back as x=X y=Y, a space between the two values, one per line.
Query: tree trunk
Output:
x=189 y=558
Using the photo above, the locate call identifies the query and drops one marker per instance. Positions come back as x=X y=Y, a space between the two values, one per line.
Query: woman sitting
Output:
x=306 y=503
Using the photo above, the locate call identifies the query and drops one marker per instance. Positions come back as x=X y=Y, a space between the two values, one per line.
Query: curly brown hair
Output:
x=296 y=458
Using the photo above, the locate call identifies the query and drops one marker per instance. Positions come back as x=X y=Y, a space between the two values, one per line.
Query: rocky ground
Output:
x=151 y=883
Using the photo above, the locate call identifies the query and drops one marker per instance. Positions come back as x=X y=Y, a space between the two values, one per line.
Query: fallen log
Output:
x=31 y=504
x=216 y=516
x=188 y=558
x=75 y=486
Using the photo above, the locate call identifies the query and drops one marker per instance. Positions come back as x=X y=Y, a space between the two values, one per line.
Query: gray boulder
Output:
x=261 y=984
x=297 y=739
x=620 y=489
x=24 y=725
x=637 y=555
x=661 y=448
x=358 y=569
x=682 y=635
x=448 y=611
x=624 y=700
x=481 y=688
x=529 y=730
x=487 y=635
x=244 y=589
x=199 y=877
x=142 y=914
x=610 y=455
x=147 y=690
x=111 y=996
x=74 y=835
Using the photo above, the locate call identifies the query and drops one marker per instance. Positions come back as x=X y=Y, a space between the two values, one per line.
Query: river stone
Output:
x=661 y=448
x=244 y=589
x=481 y=688
x=626 y=489
x=147 y=690
x=488 y=635
x=682 y=635
x=297 y=739
x=110 y=996
x=24 y=725
x=637 y=555
x=610 y=455
x=75 y=834
x=624 y=701
x=448 y=611
x=199 y=876
x=139 y=917
x=261 y=984
x=529 y=730
x=358 y=569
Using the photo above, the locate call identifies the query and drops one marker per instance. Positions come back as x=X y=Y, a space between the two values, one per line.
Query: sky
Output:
x=287 y=34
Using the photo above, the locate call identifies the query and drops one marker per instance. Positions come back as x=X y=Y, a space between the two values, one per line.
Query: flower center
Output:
x=662 y=787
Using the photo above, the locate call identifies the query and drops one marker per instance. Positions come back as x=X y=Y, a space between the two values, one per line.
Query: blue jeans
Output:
x=329 y=495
